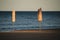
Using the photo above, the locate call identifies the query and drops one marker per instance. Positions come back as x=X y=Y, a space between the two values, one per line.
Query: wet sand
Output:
x=31 y=35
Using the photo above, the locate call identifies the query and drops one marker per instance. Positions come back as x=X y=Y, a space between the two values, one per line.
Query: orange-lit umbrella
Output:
x=40 y=15
x=13 y=16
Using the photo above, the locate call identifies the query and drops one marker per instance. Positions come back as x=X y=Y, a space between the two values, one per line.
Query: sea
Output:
x=28 y=20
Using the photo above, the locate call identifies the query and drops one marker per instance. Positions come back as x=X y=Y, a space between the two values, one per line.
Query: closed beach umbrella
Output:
x=40 y=15
x=13 y=15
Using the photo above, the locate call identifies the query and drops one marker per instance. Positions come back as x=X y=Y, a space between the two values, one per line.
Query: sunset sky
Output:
x=29 y=5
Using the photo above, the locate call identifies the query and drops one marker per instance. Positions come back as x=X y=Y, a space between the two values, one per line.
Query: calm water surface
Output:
x=28 y=20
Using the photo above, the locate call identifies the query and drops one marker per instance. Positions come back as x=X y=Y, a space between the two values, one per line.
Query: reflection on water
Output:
x=28 y=20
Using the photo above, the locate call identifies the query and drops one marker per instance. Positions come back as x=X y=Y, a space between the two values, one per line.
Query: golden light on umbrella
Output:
x=13 y=16
x=40 y=18
x=40 y=15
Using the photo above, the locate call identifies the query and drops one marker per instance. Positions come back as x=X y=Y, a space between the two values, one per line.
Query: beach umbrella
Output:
x=40 y=18
x=40 y=15
x=13 y=16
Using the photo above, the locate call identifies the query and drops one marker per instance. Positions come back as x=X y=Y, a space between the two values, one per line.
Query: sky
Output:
x=30 y=5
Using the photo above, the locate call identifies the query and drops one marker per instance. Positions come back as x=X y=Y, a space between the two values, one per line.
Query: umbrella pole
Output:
x=40 y=25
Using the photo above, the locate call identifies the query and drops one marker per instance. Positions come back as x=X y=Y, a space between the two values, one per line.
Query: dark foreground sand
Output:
x=31 y=35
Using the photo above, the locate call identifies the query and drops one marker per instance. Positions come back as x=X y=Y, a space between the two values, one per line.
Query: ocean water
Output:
x=26 y=20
